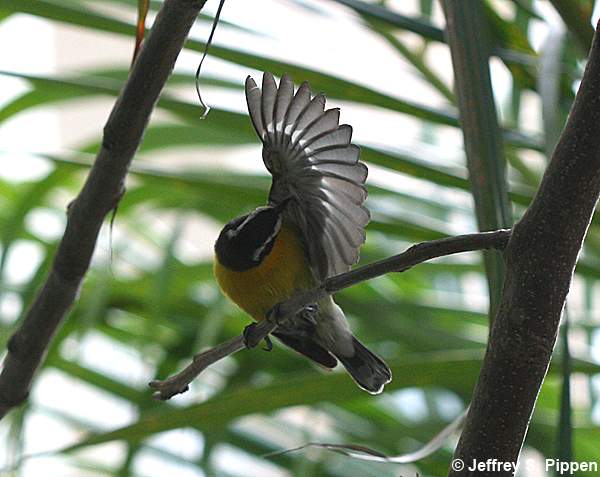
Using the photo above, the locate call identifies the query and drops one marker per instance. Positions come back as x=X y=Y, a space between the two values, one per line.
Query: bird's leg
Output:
x=304 y=322
x=252 y=337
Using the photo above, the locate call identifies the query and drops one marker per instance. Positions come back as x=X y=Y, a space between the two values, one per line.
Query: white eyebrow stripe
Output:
x=233 y=232
x=259 y=250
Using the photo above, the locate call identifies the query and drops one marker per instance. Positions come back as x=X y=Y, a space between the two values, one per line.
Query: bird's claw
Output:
x=309 y=313
x=268 y=344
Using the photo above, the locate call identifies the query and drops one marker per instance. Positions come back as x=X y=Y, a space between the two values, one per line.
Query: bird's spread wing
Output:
x=315 y=169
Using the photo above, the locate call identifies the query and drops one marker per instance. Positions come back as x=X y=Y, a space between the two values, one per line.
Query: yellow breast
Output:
x=258 y=289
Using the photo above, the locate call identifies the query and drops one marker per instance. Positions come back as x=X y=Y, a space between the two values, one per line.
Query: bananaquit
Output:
x=310 y=230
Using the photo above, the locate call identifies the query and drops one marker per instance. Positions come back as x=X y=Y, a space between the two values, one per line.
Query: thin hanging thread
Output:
x=208 y=43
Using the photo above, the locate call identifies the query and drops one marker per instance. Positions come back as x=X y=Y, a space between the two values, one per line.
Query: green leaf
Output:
x=446 y=369
x=334 y=87
x=565 y=424
x=449 y=369
x=143 y=7
x=577 y=16
x=483 y=140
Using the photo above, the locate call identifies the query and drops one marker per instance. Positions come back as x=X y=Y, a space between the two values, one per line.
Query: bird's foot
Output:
x=251 y=337
x=308 y=314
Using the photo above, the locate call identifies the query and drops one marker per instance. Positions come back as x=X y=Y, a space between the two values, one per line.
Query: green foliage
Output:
x=151 y=297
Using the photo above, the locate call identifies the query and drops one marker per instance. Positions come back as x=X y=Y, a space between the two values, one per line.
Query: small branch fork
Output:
x=255 y=333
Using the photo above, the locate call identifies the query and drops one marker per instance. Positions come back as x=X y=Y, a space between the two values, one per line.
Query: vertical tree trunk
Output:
x=540 y=260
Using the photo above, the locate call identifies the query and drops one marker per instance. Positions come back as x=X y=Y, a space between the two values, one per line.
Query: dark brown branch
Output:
x=540 y=260
x=285 y=311
x=100 y=194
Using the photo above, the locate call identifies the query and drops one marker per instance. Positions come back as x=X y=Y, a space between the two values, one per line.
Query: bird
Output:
x=311 y=228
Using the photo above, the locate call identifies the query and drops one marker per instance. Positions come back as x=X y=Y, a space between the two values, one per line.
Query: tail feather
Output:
x=368 y=370
x=308 y=348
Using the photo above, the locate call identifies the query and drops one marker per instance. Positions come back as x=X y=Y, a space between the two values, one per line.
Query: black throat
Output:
x=246 y=241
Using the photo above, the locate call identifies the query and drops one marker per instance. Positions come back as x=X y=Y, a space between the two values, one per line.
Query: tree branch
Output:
x=540 y=260
x=416 y=254
x=101 y=192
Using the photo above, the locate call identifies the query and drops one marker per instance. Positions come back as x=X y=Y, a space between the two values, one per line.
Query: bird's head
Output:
x=245 y=241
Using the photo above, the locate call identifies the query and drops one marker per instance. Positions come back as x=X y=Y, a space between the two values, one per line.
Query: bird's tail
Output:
x=368 y=370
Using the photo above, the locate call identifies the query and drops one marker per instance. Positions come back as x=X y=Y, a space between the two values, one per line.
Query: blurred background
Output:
x=149 y=301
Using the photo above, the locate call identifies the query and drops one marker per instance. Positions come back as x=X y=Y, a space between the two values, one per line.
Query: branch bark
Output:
x=416 y=254
x=100 y=194
x=540 y=260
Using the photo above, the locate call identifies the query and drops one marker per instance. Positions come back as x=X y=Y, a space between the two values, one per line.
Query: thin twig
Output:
x=100 y=194
x=360 y=452
x=416 y=254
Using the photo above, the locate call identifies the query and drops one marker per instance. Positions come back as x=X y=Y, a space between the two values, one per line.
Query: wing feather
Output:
x=311 y=112
x=357 y=193
x=284 y=98
x=325 y=123
x=253 y=98
x=341 y=154
x=299 y=102
x=269 y=95
x=331 y=139
x=316 y=171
